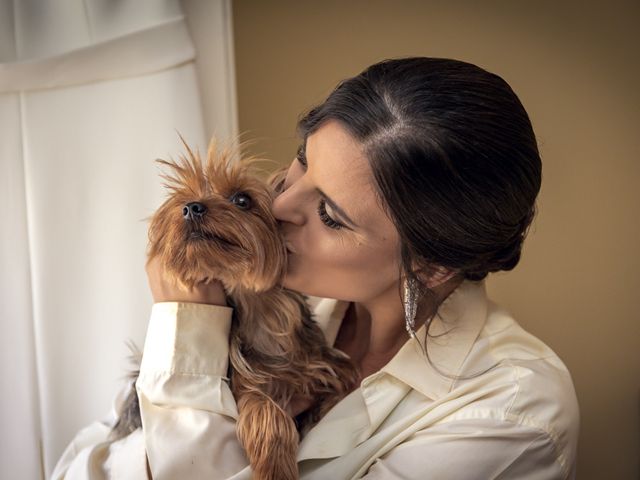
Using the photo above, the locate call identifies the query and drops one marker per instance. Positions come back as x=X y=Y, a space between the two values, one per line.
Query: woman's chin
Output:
x=292 y=281
x=296 y=278
x=288 y=281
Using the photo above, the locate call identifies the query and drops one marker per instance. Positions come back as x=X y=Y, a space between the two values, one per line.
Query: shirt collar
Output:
x=453 y=332
x=462 y=316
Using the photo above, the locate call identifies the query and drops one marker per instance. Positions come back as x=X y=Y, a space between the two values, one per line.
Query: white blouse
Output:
x=518 y=420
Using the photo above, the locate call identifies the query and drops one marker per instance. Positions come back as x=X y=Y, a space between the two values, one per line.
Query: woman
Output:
x=414 y=180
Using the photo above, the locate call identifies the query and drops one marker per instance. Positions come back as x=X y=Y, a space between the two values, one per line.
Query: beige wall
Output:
x=575 y=67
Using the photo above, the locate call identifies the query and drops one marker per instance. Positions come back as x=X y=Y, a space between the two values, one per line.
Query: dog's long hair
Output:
x=217 y=225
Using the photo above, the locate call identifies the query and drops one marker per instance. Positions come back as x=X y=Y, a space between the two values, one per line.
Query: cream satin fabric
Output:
x=519 y=420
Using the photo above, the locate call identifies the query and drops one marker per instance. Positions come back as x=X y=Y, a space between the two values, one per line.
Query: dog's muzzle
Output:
x=193 y=211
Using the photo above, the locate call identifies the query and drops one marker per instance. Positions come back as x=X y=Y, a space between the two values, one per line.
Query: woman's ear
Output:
x=434 y=276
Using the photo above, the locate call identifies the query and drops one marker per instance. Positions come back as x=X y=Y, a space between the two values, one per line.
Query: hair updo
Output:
x=454 y=157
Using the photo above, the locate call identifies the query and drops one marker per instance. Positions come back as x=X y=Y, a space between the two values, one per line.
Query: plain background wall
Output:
x=576 y=68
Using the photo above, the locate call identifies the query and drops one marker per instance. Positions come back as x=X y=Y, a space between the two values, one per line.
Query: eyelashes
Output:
x=325 y=218
x=322 y=211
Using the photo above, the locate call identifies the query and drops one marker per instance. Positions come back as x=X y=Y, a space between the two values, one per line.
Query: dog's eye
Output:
x=241 y=200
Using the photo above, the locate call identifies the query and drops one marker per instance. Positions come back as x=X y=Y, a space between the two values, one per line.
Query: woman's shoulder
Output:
x=533 y=363
x=525 y=382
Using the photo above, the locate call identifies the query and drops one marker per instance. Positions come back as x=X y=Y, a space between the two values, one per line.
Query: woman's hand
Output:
x=163 y=290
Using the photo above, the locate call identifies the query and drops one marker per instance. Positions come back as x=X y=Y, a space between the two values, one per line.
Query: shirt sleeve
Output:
x=91 y=455
x=471 y=449
x=187 y=409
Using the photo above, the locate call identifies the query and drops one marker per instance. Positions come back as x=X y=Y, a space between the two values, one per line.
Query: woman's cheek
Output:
x=327 y=248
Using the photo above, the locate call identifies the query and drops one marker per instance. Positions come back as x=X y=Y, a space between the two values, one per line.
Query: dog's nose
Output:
x=193 y=211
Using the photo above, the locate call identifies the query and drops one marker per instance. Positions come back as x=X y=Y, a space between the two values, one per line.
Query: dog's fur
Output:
x=276 y=349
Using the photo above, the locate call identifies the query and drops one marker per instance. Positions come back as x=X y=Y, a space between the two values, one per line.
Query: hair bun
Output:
x=506 y=256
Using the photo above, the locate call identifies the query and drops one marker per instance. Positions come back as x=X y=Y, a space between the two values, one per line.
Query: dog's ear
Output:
x=277 y=178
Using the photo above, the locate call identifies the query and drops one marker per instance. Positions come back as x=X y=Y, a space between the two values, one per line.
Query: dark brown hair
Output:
x=454 y=157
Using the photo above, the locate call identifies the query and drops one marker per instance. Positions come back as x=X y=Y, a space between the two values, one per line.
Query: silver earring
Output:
x=410 y=301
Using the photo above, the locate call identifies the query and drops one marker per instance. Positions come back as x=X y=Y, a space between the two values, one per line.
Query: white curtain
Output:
x=91 y=92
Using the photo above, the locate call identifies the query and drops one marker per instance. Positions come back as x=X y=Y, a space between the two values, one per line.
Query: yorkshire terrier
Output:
x=217 y=224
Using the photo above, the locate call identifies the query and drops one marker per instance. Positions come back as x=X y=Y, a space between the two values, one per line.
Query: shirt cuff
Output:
x=188 y=338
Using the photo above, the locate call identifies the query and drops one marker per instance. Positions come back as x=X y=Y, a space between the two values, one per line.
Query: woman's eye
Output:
x=326 y=219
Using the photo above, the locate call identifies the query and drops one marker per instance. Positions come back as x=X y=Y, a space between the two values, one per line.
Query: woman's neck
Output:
x=373 y=332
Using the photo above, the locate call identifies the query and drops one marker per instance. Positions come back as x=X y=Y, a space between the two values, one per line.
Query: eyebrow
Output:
x=302 y=151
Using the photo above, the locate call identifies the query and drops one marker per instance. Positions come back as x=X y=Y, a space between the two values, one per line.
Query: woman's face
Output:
x=342 y=245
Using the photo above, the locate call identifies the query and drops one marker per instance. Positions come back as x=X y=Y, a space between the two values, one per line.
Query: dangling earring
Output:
x=410 y=301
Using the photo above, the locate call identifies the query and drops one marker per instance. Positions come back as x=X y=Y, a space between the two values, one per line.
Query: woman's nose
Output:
x=288 y=205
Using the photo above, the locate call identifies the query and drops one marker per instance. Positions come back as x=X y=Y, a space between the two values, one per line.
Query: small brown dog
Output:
x=217 y=224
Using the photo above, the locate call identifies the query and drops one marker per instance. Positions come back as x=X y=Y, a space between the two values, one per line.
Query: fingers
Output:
x=164 y=290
